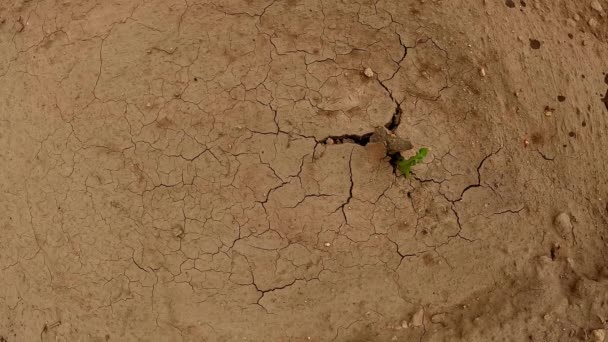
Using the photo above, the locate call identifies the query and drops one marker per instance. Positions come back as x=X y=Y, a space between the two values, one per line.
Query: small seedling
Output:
x=405 y=165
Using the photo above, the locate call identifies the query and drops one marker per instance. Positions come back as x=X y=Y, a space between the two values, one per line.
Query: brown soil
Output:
x=177 y=170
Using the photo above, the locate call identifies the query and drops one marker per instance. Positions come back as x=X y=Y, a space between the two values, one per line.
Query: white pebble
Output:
x=368 y=72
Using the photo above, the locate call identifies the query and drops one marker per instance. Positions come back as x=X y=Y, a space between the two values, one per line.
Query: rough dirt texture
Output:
x=166 y=172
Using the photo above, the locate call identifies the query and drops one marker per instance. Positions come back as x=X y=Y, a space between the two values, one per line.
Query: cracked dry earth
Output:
x=166 y=173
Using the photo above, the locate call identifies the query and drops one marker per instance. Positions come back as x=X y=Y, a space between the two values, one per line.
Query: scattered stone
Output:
x=592 y=23
x=404 y=324
x=148 y=105
x=327 y=244
x=330 y=141
x=418 y=318
x=563 y=224
x=482 y=72
x=549 y=111
x=597 y=6
x=599 y=335
x=368 y=72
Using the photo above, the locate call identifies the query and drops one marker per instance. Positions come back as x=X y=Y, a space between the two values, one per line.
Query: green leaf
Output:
x=405 y=165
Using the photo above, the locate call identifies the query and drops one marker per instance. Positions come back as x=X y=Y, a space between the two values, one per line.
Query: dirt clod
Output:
x=394 y=143
x=535 y=44
x=438 y=318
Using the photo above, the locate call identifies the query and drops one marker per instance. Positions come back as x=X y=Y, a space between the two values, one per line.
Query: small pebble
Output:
x=563 y=224
x=148 y=105
x=592 y=22
x=404 y=324
x=330 y=141
x=599 y=335
x=482 y=72
x=368 y=72
x=327 y=244
x=597 y=6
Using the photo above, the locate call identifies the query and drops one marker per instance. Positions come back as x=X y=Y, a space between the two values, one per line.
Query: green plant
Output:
x=405 y=165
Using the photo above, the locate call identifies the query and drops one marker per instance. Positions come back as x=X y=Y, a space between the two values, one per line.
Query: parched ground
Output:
x=166 y=172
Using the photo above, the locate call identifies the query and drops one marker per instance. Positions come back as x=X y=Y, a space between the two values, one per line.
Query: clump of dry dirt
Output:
x=178 y=170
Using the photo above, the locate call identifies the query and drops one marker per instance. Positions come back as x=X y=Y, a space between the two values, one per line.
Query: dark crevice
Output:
x=395 y=158
x=362 y=140
x=395 y=120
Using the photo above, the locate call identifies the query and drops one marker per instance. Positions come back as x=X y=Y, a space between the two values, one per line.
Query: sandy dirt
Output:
x=184 y=170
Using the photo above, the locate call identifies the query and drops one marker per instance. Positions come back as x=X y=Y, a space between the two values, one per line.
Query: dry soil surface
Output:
x=191 y=170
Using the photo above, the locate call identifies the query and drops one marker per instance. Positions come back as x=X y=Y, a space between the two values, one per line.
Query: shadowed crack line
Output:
x=478 y=183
